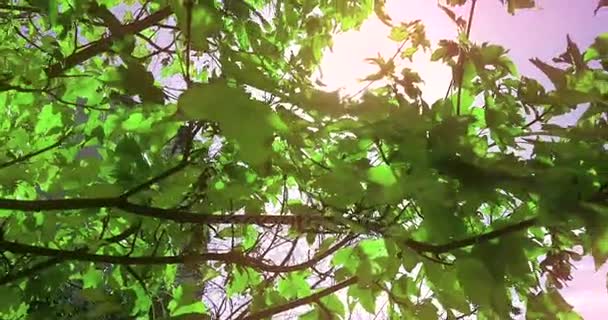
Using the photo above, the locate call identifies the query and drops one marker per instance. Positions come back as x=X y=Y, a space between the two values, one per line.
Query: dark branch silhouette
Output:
x=482 y=238
x=38 y=267
x=35 y=153
x=20 y=8
x=58 y=255
x=103 y=45
x=303 y=301
x=203 y=218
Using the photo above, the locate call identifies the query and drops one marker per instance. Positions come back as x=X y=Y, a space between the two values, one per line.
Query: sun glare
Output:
x=539 y=32
x=344 y=66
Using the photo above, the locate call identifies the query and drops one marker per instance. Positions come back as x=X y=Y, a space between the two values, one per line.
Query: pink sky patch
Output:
x=529 y=33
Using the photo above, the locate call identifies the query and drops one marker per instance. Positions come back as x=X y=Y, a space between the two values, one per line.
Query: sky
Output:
x=539 y=32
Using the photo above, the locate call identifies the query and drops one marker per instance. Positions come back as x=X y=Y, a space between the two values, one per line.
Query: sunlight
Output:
x=344 y=65
x=158 y=165
x=537 y=32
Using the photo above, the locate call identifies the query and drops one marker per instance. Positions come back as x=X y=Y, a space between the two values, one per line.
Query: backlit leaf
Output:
x=382 y=174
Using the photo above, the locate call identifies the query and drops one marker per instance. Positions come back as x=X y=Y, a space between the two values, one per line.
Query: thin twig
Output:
x=188 y=5
x=155 y=179
x=97 y=47
x=392 y=59
x=301 y=302
x=461 y=57
x=35 y=153
x=20 y=8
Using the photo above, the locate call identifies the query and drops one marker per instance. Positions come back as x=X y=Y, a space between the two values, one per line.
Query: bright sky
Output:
x=529 y=33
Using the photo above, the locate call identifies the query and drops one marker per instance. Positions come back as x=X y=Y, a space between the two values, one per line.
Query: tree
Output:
x=158 y=152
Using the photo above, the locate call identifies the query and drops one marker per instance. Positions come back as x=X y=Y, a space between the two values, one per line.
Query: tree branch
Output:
x=203 y=218
x=155 y=212
x=58 y=255
x=20 y=8
x=35 y=153
x=79 y=255
x=97 y=47
x=318 y=257
x=169 y=172
x=31 y=271
x=482 y=238
x=300 y=302
x=37 y=268
x=58 y=204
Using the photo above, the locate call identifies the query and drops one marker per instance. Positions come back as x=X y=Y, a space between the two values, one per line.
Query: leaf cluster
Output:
x=165 y=159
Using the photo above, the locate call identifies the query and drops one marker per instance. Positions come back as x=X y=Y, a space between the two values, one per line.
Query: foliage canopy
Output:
x=155 y=152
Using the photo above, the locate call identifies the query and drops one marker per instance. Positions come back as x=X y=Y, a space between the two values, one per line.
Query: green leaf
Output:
x=203 y=19
x=11 y=298
x=598 y=50
x=102 y=190
x=476 y=280
x=382 y=174
x=193 y=308
x=137 y=123
x=373 y=248
x=251 y=237
x=92 y=278
x=185 y=301
x=264 y=140
x=599 y=244
x=366 y=297
x=346 y=257
x=294 y=286
x=142 y=301
x=242 y=278
x=48 y=119
x=334 y=304
x=399 y=33
x=137 y=80
x=254 y=127
x=514 y=246
x=446 y=286
x=549 y=304
x=426 y=310
x=447 y=50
